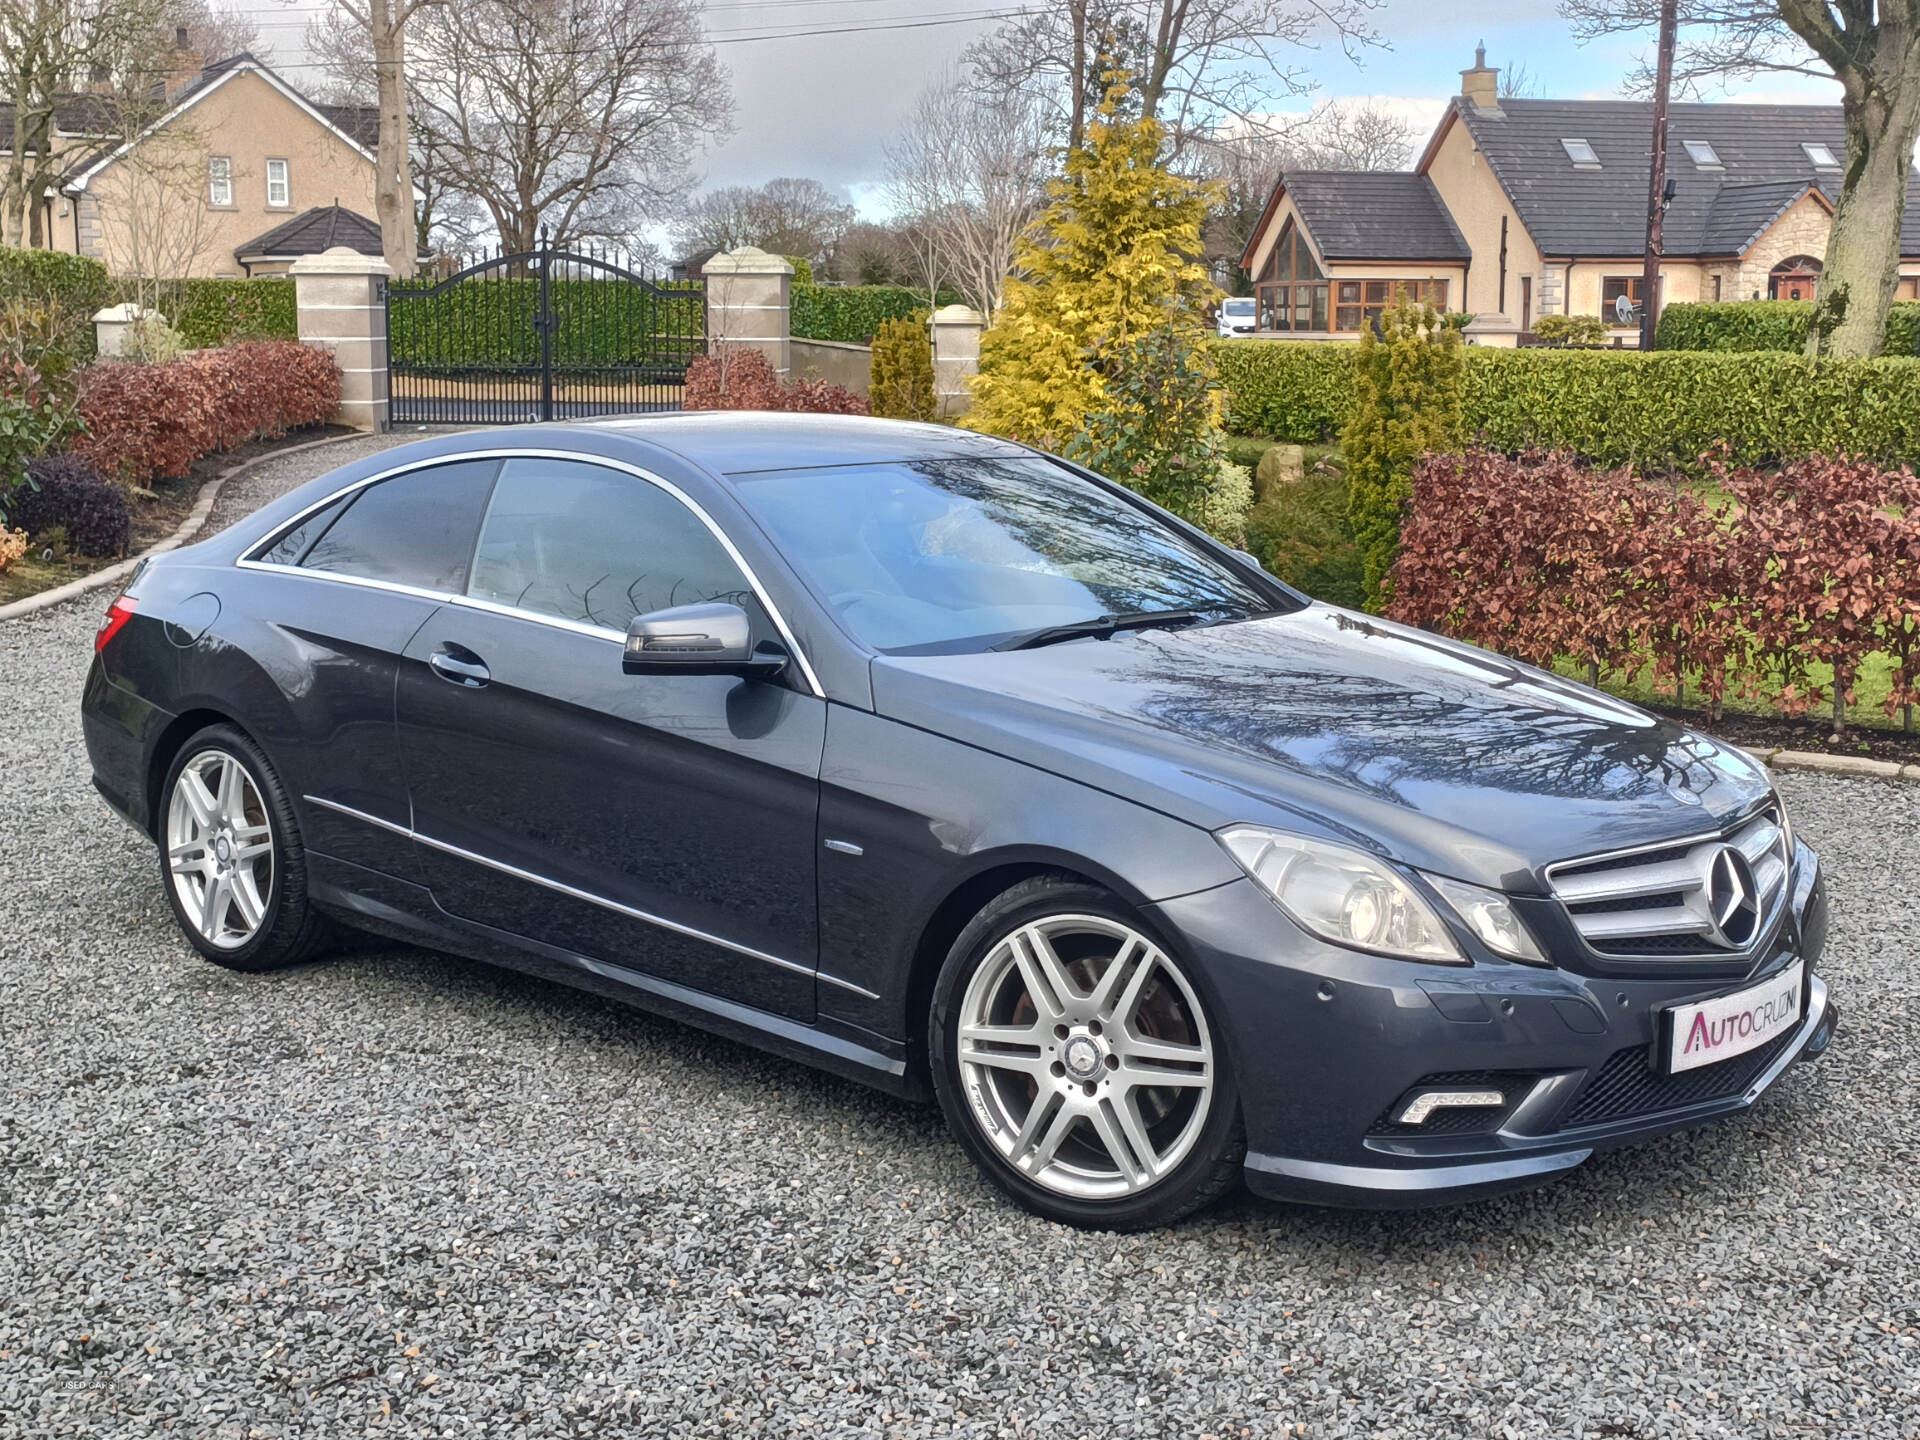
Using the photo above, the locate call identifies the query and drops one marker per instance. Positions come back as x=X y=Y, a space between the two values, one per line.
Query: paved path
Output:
x=398 y=1194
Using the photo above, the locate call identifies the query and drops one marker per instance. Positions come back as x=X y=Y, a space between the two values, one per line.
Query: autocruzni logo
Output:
x=1757 y=1019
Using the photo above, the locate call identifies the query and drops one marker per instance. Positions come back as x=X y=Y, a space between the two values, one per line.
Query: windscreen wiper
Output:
x=1100 y=627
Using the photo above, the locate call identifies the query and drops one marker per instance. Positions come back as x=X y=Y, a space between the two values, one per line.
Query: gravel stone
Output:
x=395 y=1193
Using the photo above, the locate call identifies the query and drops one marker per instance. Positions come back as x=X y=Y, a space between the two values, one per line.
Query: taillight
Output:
x=118 y=614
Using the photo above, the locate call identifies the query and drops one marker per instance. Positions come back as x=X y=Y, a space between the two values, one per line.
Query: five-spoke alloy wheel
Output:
x=1075 y=1058
x=230 y=851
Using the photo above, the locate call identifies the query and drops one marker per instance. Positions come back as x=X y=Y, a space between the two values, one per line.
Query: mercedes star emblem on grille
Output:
x=1733 y=900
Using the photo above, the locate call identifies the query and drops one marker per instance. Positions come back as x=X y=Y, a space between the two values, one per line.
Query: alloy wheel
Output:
x=1085 y=1057
x=220 y=849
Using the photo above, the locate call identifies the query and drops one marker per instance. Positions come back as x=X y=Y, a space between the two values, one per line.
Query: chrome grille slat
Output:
x=1653 y=902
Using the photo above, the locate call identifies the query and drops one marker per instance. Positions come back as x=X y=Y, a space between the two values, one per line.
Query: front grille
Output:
x=1476 y=1121
x=1628 y=1085
x=1658 y=902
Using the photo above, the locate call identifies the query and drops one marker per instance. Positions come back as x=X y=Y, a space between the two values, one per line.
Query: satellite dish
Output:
x=1623 y=309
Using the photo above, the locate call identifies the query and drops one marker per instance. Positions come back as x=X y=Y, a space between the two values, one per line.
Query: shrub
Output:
x=72 y=286
x=1574 y=331
x=216 y=312
x=152 y=341
x=902 y=379
x=65 y=492
x=740 y=377
x=1292 y=390
x=1766 y=325
x=1301 y=533
x=597 y=322
x=148 y=421
x=1819 y=560
x=849 y=313
x=13 y=544
x=31 y=422
x=1407 y=403
x=1661 y=411
x=802 y=269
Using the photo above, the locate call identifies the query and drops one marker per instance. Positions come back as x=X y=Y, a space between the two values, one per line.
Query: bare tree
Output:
x=1872 y=47
x=1198 y=63
x=1248 y=160
x=970 y=167
x=579 y=115
x=790 y=215
x=385 y=22
x=1518 y=82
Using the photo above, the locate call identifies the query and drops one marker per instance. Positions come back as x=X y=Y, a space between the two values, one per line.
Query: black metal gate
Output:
x=550 y=334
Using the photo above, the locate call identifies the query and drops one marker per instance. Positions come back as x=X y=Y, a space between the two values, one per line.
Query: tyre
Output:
x=230 y=856
x=1076 y=1061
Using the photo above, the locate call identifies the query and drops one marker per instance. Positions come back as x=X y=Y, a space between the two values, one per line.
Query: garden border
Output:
x=1852 y=767
x=196 y=517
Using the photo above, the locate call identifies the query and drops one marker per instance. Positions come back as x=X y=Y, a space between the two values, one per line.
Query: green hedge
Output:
x=76 y=285
x=601 y=322
x=1661 y=411
x=853 y=313
x=1766 y=325
x=213 y=312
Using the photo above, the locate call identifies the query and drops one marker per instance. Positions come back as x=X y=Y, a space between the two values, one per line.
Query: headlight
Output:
x=1342 y=894
x=1491 y=916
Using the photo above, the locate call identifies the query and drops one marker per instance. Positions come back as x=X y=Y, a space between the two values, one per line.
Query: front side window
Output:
x=933 y=556
x=279 y=194
x=1360 y=302
x=1292 y=289
x=219 y=180
x=416 y=529
x=1620 y=298
x=598 y=546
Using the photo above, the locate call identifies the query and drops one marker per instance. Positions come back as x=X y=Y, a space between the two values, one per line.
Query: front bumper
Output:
x=1327 y=1043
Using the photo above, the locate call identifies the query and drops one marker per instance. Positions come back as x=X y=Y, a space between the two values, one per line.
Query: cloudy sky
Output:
x=822 y=105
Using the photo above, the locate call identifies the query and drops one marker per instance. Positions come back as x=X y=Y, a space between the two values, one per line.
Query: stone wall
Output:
x=833 y=361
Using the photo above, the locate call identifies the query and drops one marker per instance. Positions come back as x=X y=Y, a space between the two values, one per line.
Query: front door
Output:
x=664 y=823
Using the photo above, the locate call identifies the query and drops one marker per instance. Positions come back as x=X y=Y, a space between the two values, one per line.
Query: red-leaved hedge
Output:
x=1542 y=556
x=740 y=377
x=144 y=422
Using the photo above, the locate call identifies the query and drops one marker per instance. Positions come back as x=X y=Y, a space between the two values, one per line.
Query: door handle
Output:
x=461 y=666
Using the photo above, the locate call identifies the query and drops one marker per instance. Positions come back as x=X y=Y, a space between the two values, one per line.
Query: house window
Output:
x=1701 y=153
x=1716 y=288
x=1292 y=288
x=1361 y=301
x=1613 y=290
x=1794 y=278
x=279 y=194
x=1582 y=154
x=1821 y=156
x=1908 y=288
x=219 y=180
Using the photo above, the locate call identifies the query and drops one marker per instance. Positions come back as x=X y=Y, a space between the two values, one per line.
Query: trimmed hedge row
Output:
x=1766 y=325
x=76 y=285
x=212 y=312
x=144 y=422
x=851 y=313
x=601 y=322
x=1660 y=411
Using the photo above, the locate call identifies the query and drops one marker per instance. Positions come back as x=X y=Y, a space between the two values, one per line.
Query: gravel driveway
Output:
x=396 y=1193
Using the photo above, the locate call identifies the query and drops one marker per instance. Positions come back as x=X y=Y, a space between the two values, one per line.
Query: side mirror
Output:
x=714 y=639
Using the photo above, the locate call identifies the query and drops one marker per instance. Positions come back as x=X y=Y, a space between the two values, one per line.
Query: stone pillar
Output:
x=112 y=326
x=749 y=302
x=342 y=302
x=956 y=357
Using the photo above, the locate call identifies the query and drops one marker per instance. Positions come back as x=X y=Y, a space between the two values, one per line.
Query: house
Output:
x=1522 y=208
x=195 y=178
x=313 y=232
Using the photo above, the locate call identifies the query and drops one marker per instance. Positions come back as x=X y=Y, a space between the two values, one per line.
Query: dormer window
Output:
x=1582 y=154
x=1702 y=154
x=1821 y=156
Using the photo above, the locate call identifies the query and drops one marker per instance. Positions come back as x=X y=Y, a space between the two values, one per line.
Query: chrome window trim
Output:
x=574 y=892
x=250 y=561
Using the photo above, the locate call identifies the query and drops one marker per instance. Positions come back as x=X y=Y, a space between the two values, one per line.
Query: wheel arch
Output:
x=167 y=747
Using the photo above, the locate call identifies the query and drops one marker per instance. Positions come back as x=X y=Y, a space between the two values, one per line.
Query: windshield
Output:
x=1237 y=307
x=927 y=556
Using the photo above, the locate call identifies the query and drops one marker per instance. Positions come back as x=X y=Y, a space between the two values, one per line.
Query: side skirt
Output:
x=382 y=905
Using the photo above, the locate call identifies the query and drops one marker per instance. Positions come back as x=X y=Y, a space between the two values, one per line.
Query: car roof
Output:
x=736 y=442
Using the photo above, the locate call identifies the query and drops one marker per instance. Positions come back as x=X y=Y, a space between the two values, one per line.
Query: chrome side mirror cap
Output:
x=710 y=639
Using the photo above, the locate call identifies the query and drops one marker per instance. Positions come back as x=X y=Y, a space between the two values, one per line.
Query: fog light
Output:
x=1424 y=1104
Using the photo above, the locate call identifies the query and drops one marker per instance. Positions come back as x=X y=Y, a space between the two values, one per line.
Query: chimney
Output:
x=1481 y=84
x=184 y=64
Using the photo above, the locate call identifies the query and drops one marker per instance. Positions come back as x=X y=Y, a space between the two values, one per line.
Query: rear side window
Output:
x=415 y=529
x=288 y=549
x=598 y=546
